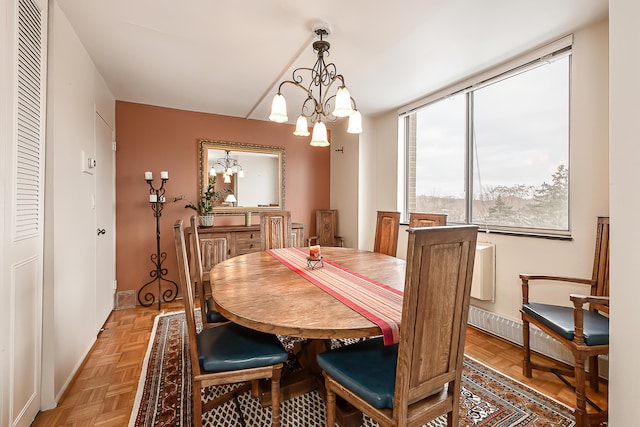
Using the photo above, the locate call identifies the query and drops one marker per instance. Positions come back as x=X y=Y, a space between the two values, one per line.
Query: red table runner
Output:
x=376 y=301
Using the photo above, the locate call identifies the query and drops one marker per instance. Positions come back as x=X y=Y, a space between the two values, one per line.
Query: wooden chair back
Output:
x=197 y=273
x=386 y=239
x=434 y=319
x=601 y=264
x=327 y=228
x=187 y=295
x=417 y=220
x=275 y=230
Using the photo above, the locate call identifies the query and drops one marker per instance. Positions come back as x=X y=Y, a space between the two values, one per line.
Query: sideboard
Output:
x=218 y=243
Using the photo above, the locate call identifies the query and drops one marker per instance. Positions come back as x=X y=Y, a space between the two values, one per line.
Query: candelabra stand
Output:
x=156 y=199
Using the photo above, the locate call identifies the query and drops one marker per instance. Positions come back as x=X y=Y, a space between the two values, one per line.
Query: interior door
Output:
x=105 y=220
x=22 y=230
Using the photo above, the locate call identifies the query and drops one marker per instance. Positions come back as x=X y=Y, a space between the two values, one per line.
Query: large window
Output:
x=495 y=154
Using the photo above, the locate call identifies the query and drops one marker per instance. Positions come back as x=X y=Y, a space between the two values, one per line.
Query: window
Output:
x=496 y=153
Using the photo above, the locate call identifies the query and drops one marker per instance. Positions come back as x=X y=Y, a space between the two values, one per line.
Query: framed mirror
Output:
x=252 y=176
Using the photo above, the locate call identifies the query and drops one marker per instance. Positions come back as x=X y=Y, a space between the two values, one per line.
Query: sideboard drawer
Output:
x=247 y=241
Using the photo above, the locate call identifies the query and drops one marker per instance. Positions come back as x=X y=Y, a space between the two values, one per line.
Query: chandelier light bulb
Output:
x=241 y=173
x=319 y=136
x=302 y=128
x=343 y=103
x=227 y=179
x=278 y=109
x=355 y=122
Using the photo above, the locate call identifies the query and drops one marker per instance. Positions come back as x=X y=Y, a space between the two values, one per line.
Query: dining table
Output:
x=281 y=292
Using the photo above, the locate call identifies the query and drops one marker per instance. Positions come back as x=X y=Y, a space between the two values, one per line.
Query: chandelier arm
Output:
x=309 y=93
x=297 y=84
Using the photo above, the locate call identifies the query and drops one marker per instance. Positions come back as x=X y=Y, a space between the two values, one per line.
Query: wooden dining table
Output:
x=258 y=291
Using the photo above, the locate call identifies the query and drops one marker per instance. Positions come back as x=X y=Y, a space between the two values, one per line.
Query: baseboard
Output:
x=540 y=342
x=125 y=299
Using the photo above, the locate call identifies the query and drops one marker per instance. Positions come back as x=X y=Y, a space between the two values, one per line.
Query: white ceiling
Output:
x=227 y=57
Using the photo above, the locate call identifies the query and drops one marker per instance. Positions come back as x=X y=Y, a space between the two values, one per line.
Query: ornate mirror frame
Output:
x=203 y=172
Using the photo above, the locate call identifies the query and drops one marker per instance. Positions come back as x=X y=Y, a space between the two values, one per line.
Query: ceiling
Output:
x=227 y=57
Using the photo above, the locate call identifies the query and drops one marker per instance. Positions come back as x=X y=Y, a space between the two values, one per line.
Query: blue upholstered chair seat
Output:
x=213 y=316
x=367 y=368
x=560 y=320
x=231 y=347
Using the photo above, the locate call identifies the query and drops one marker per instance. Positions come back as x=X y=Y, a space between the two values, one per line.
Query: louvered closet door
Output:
x=23 y=200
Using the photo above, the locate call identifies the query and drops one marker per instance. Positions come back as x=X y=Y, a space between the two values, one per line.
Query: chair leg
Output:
x=582 y=420
x=454 y=415
x=197 y=404
x=331 y=405
x=275 y=398
x=593 y=373
x=526 y=364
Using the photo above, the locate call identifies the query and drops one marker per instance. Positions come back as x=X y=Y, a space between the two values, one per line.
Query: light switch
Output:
x=88 y=164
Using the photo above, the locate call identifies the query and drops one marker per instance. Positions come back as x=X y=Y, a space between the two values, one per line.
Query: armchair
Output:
x=326 y=229
x=584 y=332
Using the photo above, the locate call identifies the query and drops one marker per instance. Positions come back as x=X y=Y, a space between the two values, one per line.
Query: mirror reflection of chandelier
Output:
x=228 y=167
x=317 y=105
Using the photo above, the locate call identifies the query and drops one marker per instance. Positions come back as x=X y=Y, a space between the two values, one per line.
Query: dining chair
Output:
x=208 y=310
x=426 y=219
x=386 y=239
x=584 y=332
x=275 y=230
x=326 y=229
x=417 y=379
x=228 y=353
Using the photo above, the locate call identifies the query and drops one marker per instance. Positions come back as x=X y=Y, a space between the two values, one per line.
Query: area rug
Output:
x=487 y=398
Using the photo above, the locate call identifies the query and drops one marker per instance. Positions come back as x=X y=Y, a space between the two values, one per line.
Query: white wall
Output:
x=589 y=191
x=76 y=92
x=624 y=69
x=344 y=181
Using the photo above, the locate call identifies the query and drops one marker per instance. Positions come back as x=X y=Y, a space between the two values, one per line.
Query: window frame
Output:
x=526 y=62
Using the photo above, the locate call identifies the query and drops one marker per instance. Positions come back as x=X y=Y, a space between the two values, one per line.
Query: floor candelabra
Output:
x=147 y=298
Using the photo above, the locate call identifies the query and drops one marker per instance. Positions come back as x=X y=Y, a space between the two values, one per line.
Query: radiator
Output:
x=484 y=272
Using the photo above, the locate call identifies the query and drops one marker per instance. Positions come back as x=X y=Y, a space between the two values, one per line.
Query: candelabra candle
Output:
x=158 y=273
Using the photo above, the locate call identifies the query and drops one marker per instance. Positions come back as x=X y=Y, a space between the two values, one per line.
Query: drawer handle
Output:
x=251 y=245
x=252 y=235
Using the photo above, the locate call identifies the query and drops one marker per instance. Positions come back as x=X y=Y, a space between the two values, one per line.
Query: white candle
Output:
x=148 y=176
x=153 y=198
x=164 y=175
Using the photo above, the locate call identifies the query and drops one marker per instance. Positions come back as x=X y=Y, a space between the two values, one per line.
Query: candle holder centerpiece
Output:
x=315 y=260
x=158 y=273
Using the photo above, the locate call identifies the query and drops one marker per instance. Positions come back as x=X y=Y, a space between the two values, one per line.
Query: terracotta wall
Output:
x=154 y=139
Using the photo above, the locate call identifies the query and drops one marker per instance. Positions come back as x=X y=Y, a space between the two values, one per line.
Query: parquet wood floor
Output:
x=104 y=388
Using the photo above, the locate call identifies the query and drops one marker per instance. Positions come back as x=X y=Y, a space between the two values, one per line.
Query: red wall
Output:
x=155 y=139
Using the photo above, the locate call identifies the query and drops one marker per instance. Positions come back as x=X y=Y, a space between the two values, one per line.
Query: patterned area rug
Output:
x=487 y=398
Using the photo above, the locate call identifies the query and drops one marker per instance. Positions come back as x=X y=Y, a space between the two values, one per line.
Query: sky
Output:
x=521 y=133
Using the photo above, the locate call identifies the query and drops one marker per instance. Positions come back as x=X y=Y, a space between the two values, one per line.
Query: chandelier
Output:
x=323 y=78
x=228 y=166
